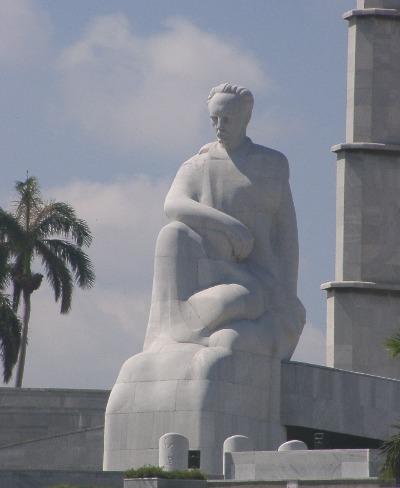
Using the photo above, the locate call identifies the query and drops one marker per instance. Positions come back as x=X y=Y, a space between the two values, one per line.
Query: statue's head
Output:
x=230 y=109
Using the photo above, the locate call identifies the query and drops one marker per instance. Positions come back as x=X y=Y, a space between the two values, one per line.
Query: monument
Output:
x=210 y=378
x=224 y=309
x=364 y=299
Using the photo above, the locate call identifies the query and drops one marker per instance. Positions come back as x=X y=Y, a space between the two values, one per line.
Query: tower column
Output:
x=363 y=306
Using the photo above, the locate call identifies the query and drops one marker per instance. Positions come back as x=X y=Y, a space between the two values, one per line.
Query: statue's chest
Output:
x=234 y=188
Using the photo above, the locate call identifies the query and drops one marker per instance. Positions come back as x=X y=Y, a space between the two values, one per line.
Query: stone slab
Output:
x=163 y=483
x=303 y=465
x=24 y=478
x=339 y=401
x=359 y=320
x=364 y=483
x=51 y=428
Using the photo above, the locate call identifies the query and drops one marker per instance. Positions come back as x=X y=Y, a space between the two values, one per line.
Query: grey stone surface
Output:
x=206 y=407
x=373 y=110
x=224 y=302
x=339 y=401
x=368 y=231
x=173 y=452
x=235 y=443
x=390 y=4
x=360 y=317
x=24 y=478
x=361 y=483
x=293 y=446
x=304 y=465
x=238 y=443
x=79 y=449
x=164 y=483
x=310 y=396
x=51 y=429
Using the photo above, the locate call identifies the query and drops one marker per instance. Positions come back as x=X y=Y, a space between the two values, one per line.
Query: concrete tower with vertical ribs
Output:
x=364 y=300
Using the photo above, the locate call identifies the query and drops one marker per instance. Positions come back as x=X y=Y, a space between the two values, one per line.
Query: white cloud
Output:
x=150 y=92
x=24 y=32
x=312 y=346
x=125 y=218
x=87 y=347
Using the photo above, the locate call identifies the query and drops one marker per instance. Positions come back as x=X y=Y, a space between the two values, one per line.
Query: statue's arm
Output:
x=183 y=204
x=287 y=244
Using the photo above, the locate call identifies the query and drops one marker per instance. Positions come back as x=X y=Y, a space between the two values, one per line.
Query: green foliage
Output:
x=10 y=325
x=392 y=344
x=148 y=471
x=10 y=336
x=390 y=447
x=390 y=450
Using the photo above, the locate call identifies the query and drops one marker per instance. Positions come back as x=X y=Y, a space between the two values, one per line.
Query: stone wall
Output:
x=340 y=401
x=63 y=429
x=48 y=478
x=51 y=429
x=302 y=465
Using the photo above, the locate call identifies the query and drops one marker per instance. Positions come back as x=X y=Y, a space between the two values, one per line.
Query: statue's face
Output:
x=229 y=119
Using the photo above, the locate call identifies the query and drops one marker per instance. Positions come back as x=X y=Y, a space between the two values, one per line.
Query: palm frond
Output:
x=390 y=449
x=76 y=258
x=58 y=275
x=17 y=272
x=10 y=337
x=11 y=231
x=5 y=266
x=58 y=218
x=392 y=344
x=29 y=202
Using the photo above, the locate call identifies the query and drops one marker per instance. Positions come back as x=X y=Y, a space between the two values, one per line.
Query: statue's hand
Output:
x=242 y=242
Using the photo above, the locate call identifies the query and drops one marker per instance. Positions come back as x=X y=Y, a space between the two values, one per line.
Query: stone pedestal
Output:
x=205 y=394
x=364 y=299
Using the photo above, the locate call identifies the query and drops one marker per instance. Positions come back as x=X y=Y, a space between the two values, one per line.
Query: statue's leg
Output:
x=195 y=290
x=240 y=296
x=176 y=265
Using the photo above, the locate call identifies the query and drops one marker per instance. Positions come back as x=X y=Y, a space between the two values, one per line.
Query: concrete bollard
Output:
x=293 y=446
x=236 y=443
x=173 y=452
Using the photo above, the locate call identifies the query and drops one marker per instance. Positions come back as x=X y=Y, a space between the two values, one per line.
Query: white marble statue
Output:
x=227 y=264
x=224 y=308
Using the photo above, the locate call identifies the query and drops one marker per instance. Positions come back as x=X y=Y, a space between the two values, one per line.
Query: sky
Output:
x=103 y=100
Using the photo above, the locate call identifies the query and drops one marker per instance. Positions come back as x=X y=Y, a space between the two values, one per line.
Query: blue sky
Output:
x=102 y=100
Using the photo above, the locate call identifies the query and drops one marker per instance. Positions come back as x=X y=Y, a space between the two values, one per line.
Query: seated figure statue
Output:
x=231 y=252
x=225 y=276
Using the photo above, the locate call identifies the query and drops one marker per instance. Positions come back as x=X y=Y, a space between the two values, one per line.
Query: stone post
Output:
x=173 y=452
x=236 y=443
x=293 y=446
x=364 y=300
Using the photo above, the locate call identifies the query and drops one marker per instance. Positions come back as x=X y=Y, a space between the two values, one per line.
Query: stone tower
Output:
x=364 y=300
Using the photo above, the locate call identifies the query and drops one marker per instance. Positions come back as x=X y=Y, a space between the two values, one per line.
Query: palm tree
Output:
x=392 y=344
x=52 y=232
x=390 y=448
x=10 y=325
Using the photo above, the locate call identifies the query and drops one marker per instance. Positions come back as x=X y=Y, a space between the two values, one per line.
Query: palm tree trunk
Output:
x=24 y=339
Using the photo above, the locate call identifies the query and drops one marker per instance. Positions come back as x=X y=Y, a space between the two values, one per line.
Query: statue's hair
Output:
x=245 y=96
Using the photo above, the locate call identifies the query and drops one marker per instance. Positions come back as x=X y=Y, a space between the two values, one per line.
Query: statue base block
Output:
x=206 y=394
